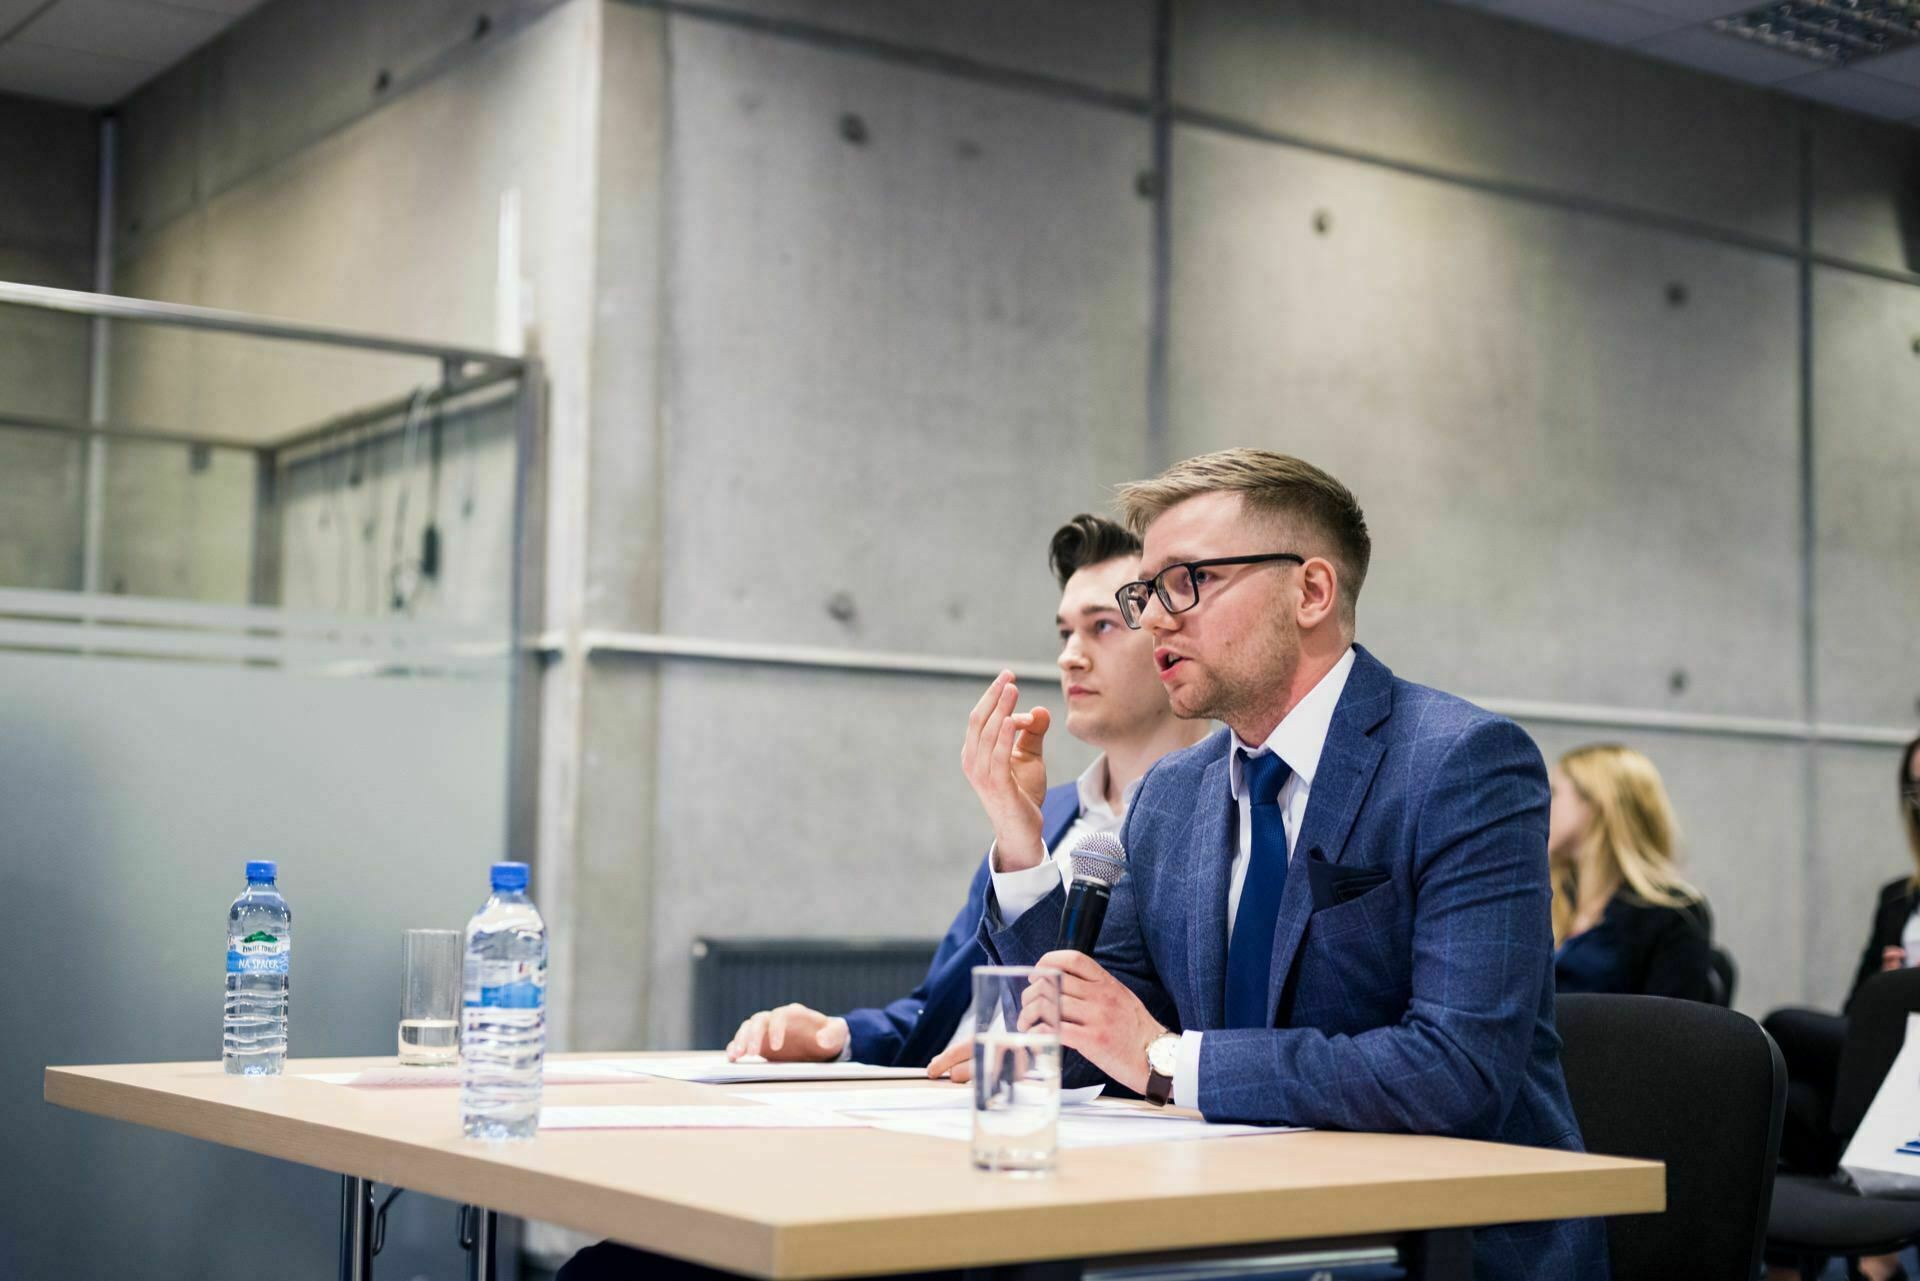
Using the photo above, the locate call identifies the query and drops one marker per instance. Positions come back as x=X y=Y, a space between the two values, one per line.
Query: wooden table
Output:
x=820 y=1203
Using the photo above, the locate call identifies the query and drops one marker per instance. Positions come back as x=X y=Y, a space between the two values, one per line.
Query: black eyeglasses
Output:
x=1178 y=585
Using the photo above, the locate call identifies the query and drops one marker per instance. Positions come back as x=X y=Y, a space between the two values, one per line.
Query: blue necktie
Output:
x=1250 y=949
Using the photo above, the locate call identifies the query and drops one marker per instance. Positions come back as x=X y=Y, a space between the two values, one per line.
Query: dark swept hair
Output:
x=1089 y=540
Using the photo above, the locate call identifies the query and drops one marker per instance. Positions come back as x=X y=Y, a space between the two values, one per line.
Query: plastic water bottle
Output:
x=259 y=949
x=503 y=1036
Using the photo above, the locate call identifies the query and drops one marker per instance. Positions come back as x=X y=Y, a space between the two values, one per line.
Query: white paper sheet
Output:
x=713 y=1069
x=695 y=1118
x=556 y=1072
x=935 y=1100
x=1088 y=1126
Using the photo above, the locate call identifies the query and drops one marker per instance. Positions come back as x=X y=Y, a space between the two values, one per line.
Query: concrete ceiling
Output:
x=94 y=53
x=1682 y=31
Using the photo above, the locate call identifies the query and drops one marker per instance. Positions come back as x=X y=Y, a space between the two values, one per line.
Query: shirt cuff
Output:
x=1186 y=1073
x=1015 y=892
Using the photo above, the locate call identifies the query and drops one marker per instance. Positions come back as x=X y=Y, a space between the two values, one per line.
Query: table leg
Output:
x=356 y=1228
x=1444 y=1254
x=478 y=1230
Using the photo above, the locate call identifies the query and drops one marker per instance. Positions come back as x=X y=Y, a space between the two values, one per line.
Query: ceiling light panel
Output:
x=1832 y=33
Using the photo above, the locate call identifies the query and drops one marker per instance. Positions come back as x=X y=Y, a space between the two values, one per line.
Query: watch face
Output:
x=1164 y=1055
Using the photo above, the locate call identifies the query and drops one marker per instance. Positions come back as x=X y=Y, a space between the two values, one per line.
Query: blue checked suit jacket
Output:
x=1412 y=972
x=910 y=1031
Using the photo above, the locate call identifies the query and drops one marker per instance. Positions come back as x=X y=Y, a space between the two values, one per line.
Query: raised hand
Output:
x=1002 y=758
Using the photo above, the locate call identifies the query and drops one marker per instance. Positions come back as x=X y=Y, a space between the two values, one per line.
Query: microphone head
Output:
x=1101 y=859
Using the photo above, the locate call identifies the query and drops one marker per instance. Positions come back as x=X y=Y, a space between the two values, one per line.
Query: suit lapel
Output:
x=1058 y=810
x=1209 y=867
x=1347 y=763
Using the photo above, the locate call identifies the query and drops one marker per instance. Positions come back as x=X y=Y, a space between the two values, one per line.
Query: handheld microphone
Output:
x=1098 y=864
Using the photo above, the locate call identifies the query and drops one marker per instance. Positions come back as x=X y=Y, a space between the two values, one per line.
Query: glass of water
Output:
x=430 y=997
x=1016 y=1069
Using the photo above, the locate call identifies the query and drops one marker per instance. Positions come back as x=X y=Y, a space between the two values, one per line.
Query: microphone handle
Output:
x=1086 y=909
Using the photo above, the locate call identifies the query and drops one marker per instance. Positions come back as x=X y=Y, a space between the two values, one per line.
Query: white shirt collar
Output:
x=1301 y=735
x=1092 y=785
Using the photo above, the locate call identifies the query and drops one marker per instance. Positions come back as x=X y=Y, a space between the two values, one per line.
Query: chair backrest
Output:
x=1876 y=1027
x=1723 y=976
x=1698 y=1087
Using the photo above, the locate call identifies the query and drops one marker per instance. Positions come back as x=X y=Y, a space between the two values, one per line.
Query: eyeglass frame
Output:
x=1157 y=588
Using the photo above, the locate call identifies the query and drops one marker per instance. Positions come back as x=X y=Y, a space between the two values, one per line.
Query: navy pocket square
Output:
x=1333 y=885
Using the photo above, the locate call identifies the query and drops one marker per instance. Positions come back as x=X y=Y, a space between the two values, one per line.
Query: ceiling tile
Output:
x=1858 y=92
x=69 y=75
x=1901 y=68
x=1725 y=55
x=1602 y=20
x=15 y=12
x=131 y=29
x=1695 y=10
x=231 y=8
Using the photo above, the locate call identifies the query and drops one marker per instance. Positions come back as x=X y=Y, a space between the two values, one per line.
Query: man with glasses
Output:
x=1114 y=702
x=1337 y=907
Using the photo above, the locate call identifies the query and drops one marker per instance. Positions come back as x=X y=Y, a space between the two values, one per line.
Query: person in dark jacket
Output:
x=1810 y=1040
x=1624 y=918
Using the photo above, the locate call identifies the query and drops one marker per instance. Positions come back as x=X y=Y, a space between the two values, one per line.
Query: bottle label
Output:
x=259 y=953
x=505 y=985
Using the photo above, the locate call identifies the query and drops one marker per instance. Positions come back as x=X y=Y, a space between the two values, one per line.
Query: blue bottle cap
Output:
x=509 y=876
x=262 y=869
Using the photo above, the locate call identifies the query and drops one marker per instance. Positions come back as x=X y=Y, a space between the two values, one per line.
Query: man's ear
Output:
x=1319 y=592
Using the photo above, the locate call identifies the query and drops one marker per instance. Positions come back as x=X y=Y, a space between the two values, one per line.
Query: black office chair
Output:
x=1722 y=977
x=1817 y=1218
x=1700 y=1088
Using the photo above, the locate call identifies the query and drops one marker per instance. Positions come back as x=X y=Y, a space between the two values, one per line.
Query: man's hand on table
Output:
x=790 y=1034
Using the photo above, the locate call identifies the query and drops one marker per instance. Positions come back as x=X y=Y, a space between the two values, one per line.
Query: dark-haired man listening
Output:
x=1114 y=702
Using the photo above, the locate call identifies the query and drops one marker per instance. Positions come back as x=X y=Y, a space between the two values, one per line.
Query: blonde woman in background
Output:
x=1624 y=918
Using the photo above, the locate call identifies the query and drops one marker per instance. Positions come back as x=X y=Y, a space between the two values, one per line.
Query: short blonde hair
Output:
x=1277 y=485
x=1633 y=835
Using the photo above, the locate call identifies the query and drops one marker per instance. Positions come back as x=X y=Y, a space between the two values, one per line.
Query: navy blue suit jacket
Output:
x=911 y=1030
x=1412 y=968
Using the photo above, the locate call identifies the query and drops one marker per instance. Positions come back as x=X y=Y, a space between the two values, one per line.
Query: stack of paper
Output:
x=713 y=1069
x=576 y=1072
x=707 y=1069
x=684 y=1118
x=1085 y=1120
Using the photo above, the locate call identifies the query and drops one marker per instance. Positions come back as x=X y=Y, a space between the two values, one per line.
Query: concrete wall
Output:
x=349 y=165
x=1539 y=302
x=49 y=169
x=879 y=329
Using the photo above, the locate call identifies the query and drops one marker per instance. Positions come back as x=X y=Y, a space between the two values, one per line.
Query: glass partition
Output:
x=259 y=589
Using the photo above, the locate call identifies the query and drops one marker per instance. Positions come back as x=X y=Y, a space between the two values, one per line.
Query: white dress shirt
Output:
x=1298 y=740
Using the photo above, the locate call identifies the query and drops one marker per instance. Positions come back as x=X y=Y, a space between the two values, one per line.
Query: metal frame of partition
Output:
x=465 y=372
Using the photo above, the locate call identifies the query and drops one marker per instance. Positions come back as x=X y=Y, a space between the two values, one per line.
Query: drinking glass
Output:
x=1016 y=1070
x=430 y=997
